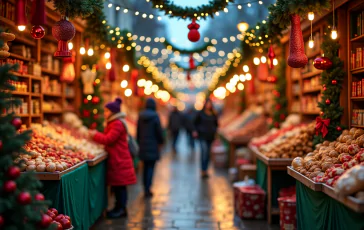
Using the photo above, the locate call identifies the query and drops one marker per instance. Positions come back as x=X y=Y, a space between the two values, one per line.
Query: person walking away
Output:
x=120 y=168
x=189 y=118
x=174 y=125
x=150 y=140
x=205 y=124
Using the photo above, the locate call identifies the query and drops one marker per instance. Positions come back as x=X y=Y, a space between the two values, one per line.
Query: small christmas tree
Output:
x=21 y=205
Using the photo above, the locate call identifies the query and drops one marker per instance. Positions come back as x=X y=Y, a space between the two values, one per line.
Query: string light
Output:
x=275 y=61
x=126 y=68
x=90 y=51
x=108 y=65
x=128 y=92
x=246 y=68
x=256 y=61
x=82 y=50
x=70 y=45
x=124 y=84
x=107 y=55
x=263 y=59
x=333 y=31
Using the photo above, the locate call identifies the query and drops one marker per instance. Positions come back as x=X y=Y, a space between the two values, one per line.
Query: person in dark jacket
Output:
x=189 y=118
x=174 y=126
x=150 y=139
x=205 y=124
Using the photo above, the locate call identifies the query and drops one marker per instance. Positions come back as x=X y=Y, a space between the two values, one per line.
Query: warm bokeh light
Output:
x=128 y=92
x=107 y=55
x=256 y=61
x=82 y=50
x=243 y=26
x=275 y=61
x=108 y=65
x=89 y=97
x=141 y=82
x=70 y=45
x=263 y=59
x=21 y=27
x=124 y=83
x=155 y=88
x=246 y=68
x=311 y=43
x=148 y=84
x=242 y=77
x=248 y=76
x=334 y=33
x=90 y=52
x=126 y=68
x=311 y=16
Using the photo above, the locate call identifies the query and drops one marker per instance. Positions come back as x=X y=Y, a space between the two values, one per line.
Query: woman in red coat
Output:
x=120 y=168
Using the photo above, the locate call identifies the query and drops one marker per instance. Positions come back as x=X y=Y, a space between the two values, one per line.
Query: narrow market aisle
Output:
x=182 y=200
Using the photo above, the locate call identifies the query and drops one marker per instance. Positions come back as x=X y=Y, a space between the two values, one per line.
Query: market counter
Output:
x=81 y=194
x=316 y=210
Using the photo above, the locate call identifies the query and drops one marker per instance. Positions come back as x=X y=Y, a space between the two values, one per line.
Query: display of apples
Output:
x=63 y=222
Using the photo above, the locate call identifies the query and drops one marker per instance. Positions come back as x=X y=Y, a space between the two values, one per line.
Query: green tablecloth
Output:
x=81 y=194
x=280 y=179
x=316 y=210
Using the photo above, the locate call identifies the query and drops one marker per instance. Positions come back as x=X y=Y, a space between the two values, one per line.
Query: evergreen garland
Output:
x=77 y=8
x=188 y=51
x=280 y=99
x=332 y=111
x=203 y=11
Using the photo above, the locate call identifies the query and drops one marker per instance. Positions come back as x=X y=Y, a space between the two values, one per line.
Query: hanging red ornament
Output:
x=338 y=128
x=37 y=32
x=2 y=220
x=85 y=101
x=95 y=99
x=38 y=13
x=282 y=117
x=322 y=63
x=297 y=57
x=276 y=124
x=24 y=198
x=9 y=186
x=46 y=221
x=16 y=122
x=20 y=16
x=321 y=113
x=39 y=197
x=86 y=113
x=272 y=79
x=271 y=55
x=334 y=82
x=328 y=102
x=94 y=84
x=13 y=172
x=93 y=125
x=278 y=106
x=96 y=116
x=63 y=31
x=324 y=88
x=193 y=35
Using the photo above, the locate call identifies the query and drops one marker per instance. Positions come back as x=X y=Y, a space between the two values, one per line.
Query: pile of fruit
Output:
x=60 y=221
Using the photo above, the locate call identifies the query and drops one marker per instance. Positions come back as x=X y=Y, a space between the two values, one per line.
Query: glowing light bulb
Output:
x=126 y=68
x=256 y=61
x=90 y=52
x=128 y=92
x=246 y=68
x=70 y=45
x=107 y=55
x=275 y=61
x=263 y=59
x=242 y=77
x=124 y=84
x=311 y=16
x=141 y=82
x=82 y=50
x=108 y=65
x=333 y=33
x=21 y=27
x=311 y=43
x=240 y=86
x=248 y=76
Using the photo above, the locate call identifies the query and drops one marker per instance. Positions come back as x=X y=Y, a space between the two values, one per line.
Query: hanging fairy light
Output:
x=311 y=16
x=263 y=59
x=126 y=68
x=108 y=65
x=70 y=45
x=275 y=61
x=246 y=68
x=82 y=50
x=128 y=92
x=248 y=76
x=107 y=55
x=256 y=61
x=90 y=51
x=20 y=15
x=333 y=31
x=124 y=84
x=311 y=42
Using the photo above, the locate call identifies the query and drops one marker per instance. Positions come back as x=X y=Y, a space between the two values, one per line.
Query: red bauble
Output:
x=1 y=220
x=94 y=84
x=321 y=113
x=338 y=128
x=282 y=117
x=46 y=221
x=16 y=122
x=39 y=197
x=272 y=79
x=37 y=32
x=85 y=101
x=328 y=102
x=322 y=63
x=24 y=198
x=86 y=113
x=297 y=57
x=93 y=125
x=96 y=116
x=9 y=186
x=271 y=55
x=276 y=124
x=59 y=217
x=278 y=107
x=193 y=35
x=63 y=31
x=13 y=172
x=334 y=82
x=95 y=100
x=324 y=88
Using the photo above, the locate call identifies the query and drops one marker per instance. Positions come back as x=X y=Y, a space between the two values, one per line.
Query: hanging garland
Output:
x=188 y=51
x=328 y=125
x=78 y=8
x=203 y=11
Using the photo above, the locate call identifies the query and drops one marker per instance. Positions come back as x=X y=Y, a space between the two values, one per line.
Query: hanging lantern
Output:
x=38 y=18
x=271 y=55
x=297 y=57
x=193 y=35
x=63 y=31
x=20 y=16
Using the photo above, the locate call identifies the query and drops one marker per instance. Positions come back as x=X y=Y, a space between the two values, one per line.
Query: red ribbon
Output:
x=321 y=126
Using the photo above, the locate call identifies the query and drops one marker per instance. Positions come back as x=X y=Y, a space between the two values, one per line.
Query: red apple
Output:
x=59 y=217
x=66 y=223
x=51 y=214
x=68 y=218
x=55 y=211
x=59 y=225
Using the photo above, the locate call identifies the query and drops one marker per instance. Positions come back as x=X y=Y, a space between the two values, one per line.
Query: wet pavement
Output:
x=183 y=200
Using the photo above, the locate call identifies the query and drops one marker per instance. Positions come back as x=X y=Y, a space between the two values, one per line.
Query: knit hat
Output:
x=150 y=104
x=114 y=106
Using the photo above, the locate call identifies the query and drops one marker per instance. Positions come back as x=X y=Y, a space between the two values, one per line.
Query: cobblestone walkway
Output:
x=183 y=201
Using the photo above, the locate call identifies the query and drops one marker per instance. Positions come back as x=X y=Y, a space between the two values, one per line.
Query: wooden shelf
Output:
x=36 y=94
x=36 y=115
x=52 y=94
x=312 y=90
x=358 y=126
x=357 y=98
x=311 y=74
x=20 y=93
x=22 y=115
x=70 y=96
x=52 y=111
x=17 y=56
x=295 y=79
x=359 y=38
x=26 y=76
x=311 y=113
x=357 y=70
x=50 y=72
x=45 y=50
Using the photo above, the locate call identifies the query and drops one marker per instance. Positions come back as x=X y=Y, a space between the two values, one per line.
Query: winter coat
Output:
x=175 y=121
x=188 y=120
x=120 y=168
x=206 y=125
x=149 y=133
